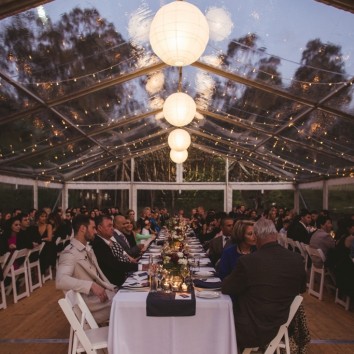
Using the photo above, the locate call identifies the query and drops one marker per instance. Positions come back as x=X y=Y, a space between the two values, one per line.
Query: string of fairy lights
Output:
x=280 y=145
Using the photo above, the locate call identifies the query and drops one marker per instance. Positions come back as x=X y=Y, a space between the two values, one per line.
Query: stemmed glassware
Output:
x=184 y=272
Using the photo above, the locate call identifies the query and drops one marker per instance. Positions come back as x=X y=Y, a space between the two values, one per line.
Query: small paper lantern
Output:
x=179 y=109
x=179 y=140
x=178 y=156
x=179 y=33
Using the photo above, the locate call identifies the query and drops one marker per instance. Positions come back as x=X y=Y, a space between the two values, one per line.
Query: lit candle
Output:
x=175 y=286
x=184 y=287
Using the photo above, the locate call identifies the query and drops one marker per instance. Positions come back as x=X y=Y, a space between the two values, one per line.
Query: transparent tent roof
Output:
x=82 y=92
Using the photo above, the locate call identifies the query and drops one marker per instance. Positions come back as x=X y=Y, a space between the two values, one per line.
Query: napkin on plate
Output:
x=207 y=284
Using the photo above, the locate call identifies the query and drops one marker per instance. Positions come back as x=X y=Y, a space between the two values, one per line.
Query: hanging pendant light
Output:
x=179 y=109
x=178 y=156
x=179 y=140
x=179 y=33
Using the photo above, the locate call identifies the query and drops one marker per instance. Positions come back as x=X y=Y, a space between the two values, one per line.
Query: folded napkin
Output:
x=161 y=304
x=205 y=284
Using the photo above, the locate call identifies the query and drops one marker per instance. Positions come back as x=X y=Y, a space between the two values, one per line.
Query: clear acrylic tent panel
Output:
x=82 y=91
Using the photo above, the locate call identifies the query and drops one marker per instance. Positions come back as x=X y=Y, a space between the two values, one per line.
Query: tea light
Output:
x=184 y=287
x=175 y=286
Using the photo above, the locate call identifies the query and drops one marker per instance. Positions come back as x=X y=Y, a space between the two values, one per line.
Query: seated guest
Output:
x=110 y=255
x=222 y=240
x=119 y=224
x=321 y=238
x=13 y=239
x=131 y=216
x=265 y=283
x=129 y=233
x=147 y=229
x=78 y=270
x=145 y=214
x=243 y=242
x=42 y=231
x=340 y=262
x=284 y=230
x=299 y=229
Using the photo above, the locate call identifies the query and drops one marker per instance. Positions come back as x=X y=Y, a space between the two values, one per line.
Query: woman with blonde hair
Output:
x=243 y=242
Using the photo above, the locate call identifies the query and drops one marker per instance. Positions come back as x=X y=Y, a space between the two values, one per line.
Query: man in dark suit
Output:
x=221 y=240
x=106 y=248
x=298 y=230
x=264 y=283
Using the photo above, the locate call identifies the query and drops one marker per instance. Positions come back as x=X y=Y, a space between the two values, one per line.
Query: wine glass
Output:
x=184 y=272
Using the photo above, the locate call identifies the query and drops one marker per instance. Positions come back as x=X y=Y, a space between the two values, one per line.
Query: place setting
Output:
x=138 y=281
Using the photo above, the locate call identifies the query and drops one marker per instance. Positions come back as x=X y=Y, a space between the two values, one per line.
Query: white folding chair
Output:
x=3 y=260
x=282 y=240
x=291 y=244
x=48 y=272
x=318 y=267
x=301 y=247
x=342 y=299
x=34 y=267
x=86 y=336
x=15 y=269
x=281 y=340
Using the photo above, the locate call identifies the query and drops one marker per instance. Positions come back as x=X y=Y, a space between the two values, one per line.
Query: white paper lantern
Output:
x=179 y=33
x=178 y=156
x=179 y=140
x=179 y=109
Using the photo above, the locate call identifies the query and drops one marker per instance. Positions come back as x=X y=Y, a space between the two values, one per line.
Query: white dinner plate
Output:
x=206 y=294
x=198 y=289
x=204 y=273
x=136 y=285
x=155 y=250
x=196 y=249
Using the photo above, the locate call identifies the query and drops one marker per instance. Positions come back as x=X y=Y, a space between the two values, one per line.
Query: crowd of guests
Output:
x=106 y=246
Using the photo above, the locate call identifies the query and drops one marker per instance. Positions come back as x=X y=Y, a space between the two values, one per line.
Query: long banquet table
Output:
x=131 y=331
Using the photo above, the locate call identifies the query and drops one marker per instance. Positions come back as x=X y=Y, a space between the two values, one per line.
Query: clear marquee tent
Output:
x=82 y=96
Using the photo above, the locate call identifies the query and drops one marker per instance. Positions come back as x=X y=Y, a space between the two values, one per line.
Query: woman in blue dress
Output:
x=243 y=242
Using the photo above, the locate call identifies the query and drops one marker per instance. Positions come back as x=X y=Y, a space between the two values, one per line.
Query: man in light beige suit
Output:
x=78 y=270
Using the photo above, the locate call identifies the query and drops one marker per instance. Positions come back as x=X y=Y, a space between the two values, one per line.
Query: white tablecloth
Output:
x=210 y=331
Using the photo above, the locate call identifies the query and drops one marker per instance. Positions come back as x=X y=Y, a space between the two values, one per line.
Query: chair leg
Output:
x=37 y=271
x=343 y=302
x=322 y=284
x=3 y=304
x=49 y=276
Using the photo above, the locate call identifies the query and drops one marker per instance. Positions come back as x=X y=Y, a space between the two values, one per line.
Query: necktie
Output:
x=125 y=239
x=118 y=251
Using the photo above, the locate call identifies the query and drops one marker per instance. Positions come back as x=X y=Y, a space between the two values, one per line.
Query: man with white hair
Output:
x=264 y=283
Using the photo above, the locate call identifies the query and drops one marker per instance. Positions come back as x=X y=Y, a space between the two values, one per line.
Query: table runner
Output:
x=161 y=304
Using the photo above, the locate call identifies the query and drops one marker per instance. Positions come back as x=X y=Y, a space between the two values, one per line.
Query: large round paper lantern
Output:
x=179 y=140
x=178 y=156
x=179 y=33
x=179 y=109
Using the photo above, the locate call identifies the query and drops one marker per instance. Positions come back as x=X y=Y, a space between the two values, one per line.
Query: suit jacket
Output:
x=298 y=232
x=112 y=267
x=132 y=251
x=265 y=283
x=77 y=270
x=216 y=248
